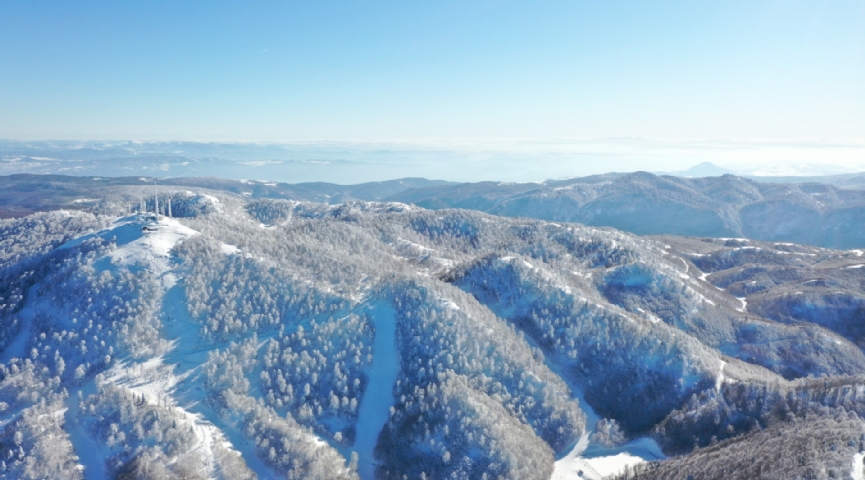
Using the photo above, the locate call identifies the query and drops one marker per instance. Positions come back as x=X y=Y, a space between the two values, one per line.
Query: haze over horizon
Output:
x=353 y=163
x=567 y=88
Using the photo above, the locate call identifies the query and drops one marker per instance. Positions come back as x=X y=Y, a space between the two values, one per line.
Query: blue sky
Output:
x=443 y=71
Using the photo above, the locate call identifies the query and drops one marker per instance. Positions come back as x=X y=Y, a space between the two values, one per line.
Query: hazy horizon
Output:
x=357 y=162
x=657 y=86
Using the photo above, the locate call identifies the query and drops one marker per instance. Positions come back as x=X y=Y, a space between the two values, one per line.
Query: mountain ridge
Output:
x=642 y=203
x=247 y=328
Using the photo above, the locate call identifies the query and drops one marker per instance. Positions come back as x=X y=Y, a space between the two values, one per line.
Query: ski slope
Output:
x=374 y=409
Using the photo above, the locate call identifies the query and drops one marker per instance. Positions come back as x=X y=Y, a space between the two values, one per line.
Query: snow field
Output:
x=858 y=471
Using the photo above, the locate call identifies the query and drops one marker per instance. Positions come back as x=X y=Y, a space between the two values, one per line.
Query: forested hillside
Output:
x=266 y=338
x=812 y=213
x=830 y=214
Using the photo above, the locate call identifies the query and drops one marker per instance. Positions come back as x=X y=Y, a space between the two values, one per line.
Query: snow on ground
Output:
x=205 y=198
x=744 y=301
x=420 y=248
x=141 y=239
x=687 y=268
x=145 y=241
x=188 y=355
x=154 y=380
x=411 y=250
x=594 y=462
x=91 y=458
x=449 y=304
x=720 y=379
x=374 y=409
x=613 y=464
x=588 y=461
x=703 y=276
x=154 y=241
x=573 y=466
x=652 y=318
x=16 y=348
x=858 y=472
x=229 y=249
x=584 y=459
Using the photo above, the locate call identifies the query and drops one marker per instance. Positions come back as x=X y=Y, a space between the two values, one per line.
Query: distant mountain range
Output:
x=350 y=163
x=24 y=194
x=810 y=213
x=772 y=173
x=643 y=203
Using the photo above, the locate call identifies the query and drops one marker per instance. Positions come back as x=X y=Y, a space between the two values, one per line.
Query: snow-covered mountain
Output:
x=281 y=339
x=810 y=213
x=704 y=169
x=24 y=194
x=643 y=203
x=806 y=172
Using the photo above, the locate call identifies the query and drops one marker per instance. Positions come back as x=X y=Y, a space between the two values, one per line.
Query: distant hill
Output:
x=643 y=203
x=779 y=174
x=24 y=194
x=726 y=206
x=705 y=169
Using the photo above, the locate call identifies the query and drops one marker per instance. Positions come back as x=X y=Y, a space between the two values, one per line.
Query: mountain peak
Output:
x=705 y=169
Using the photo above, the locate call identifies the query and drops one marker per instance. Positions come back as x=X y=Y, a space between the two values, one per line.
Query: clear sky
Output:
x=448 y=71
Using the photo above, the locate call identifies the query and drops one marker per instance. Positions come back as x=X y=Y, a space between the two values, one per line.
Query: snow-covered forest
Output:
x=261 y=338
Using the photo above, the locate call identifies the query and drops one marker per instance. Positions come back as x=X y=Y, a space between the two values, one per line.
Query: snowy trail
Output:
x=597 y=462
x=17 y=347
x=858 y=472
x=89 y=454
x=720 y=379
x=187 y=355
x=238 y=442
x=158 y=384
x=155 y=379
x=586 y=461
x=374 y=409
x=572 y=465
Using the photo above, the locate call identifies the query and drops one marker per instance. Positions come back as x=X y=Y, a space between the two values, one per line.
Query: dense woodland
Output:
x=238 y=340
x=816 y=447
